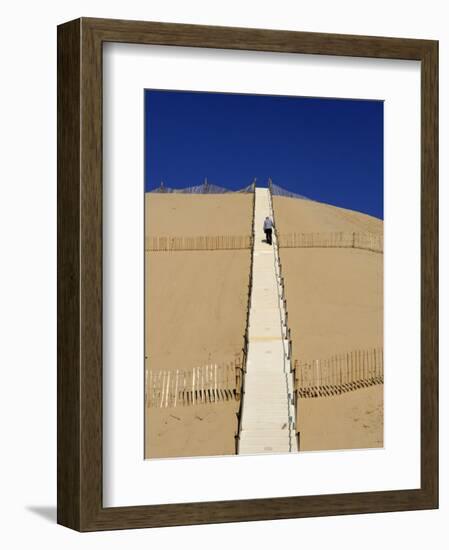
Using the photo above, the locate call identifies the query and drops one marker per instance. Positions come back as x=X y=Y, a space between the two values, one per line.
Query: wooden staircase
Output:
x=268 y=419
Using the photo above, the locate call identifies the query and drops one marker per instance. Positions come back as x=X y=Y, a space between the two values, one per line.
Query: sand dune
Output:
x=197 y=430
x=196 y=314
x=335 y=304
x=298 y=215
x=350 y=421
x=176 y=214
x=195 y=303
x=334 y=299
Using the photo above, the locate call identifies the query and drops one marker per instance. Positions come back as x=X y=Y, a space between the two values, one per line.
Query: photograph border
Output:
x=80 y=274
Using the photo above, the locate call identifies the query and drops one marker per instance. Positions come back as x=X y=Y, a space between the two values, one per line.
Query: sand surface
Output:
x=176 y=214
x=195 y=303
x=350 y=421
x=334 y=300
x=196 y=307
x=197 y=430
x=335 y=304
x=303 y=216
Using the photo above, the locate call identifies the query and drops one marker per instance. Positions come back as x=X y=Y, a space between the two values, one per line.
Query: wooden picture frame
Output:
x=80 y=503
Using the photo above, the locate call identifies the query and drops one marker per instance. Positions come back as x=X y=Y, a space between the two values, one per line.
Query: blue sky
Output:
x=329 y=150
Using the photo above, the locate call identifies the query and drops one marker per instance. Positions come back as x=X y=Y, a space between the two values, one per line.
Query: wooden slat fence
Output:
x=206 y=384
x=365 y=241
x=339 y=373
x=209 y=242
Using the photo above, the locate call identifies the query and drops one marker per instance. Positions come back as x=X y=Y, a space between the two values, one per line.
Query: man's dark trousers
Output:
x=268 y=235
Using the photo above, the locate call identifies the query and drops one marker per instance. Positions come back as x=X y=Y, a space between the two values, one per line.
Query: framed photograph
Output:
x=247 y=274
